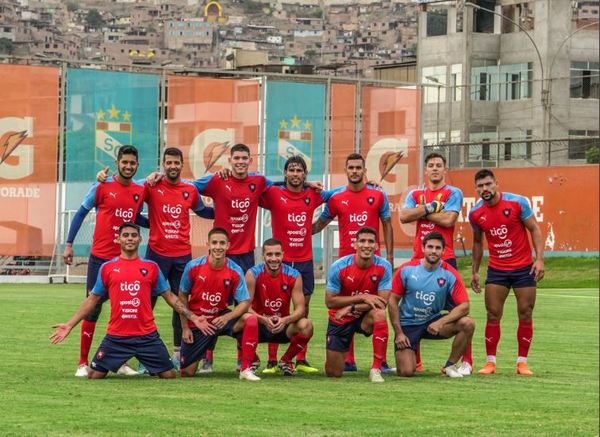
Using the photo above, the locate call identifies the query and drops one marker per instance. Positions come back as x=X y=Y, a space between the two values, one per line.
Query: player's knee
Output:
x=405 y=372
x=94 y=374
x=378 y=315
x=333 y=373
x=467 y=324
x=494 y=316
x=306 y=327
x=525 y=313
x=250 y=320
x=169 y=374
x=187 y=372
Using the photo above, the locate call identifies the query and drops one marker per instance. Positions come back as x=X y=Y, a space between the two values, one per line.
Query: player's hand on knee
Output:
x=434 y=328
x=402 y=342
x=376 y=302
x=343 y=312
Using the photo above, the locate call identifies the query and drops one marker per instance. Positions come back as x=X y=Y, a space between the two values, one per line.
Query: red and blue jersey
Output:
x=209 y=289
x=130 y=285
x=452 y=198
x=291 y=219
x=236 y=206
x=115 y=204
x=355 y=209
x=346 y=278
x=425 y=293
x=169 y=208
x=273 y=294
x=504 y=230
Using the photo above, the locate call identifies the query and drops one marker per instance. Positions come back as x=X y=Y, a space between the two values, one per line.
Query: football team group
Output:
x=226 y=293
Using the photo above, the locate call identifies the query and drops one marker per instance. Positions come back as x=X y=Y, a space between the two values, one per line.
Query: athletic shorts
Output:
x=171 y=267
x=452 y=262
x=244 y=260
x=266 y=336
x=340 y=336
x=307 y=271
x=190 y=353
x=149 y=349
x=94 y=264
x=417 y=332
x=519 y=278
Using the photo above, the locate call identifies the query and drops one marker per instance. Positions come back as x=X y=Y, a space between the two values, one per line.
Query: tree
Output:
x=93 y=19
x=6 y=46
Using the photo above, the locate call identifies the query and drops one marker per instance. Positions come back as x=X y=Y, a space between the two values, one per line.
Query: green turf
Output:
x=40 y=395
x=561 y=272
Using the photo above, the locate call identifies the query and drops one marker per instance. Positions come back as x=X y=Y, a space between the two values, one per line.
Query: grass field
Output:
x=40 y=395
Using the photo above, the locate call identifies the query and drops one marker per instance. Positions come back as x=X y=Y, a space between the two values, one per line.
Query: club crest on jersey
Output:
x=374 y=278
x=252 y=187
x=284 y=287
x=506 y=212
x=370 y=200
x=185 y=195
x=143 y=271
x=307 y=200
x=136 y=197
x=441 y=281
x=227 y=282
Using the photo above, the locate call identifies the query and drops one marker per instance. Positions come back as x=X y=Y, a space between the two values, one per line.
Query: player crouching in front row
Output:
x=421 y=289
x=129 y=282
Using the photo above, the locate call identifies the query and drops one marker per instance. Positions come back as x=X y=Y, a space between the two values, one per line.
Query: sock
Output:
x=302 y=354
x=468 y=355
x=297 y=343
x=176 y=352
x=249 y=341
x=448 y=363
x=524 y=337
x=273 y=351
x=350 y=354
x=208 y=356
x=492 y=337
x=380 y=342
x=239 y=351
x=419 y=362
x=85 y=340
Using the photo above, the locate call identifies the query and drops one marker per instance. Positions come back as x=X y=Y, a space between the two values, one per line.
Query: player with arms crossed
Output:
x=505 y=219
x=207 y=286
x=357 y=205
x=117 y=201
x=421 y=289
x=435 y=208
x=274 y=285
x=357 y=292
x=129 y=282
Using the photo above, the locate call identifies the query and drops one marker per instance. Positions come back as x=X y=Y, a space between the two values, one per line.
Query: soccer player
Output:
x=435 y=208
x=421 y=289
x=274 y=286
x=292 y=208
x=207 y=285
x=357 y=292
x=117 y=201
x=505 y=219
x=129 y=282
x=357 y=205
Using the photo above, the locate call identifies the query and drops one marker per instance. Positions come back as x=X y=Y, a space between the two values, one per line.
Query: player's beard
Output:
x=270 y=266
x=173 y=175
x=432 y=258
x=126 y=178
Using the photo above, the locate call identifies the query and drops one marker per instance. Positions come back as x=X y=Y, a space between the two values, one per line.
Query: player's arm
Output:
x=477 y=256
x=360 y=302
x=62 y=330
x=298 y=302
x=400 y=340
x=201 y=210
x=538 y=245
x=319 y=225
x=460 y=310
x=89 y=201
x=142 y=220
x=412 y=211
x=388 y=240
x=182 y=309
x=446 y=219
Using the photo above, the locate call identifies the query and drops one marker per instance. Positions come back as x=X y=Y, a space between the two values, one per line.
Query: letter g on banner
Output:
x=13 y=132
x=396 y=180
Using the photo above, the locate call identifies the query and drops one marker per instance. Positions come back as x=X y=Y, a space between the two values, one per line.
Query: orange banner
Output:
x=563 y=199
x=390 y=145
x=28 y=154
x=206 y=117
x=343 y=130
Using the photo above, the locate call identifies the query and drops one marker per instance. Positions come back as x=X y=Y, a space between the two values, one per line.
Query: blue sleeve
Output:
x=142 y=220
x=99 y=289
x=409 y=202
x=161 y=284
x=386 y=281
x=204 y=211
x=326 y=214
x=333 y=279
x=201 y=183
x=185 y=285
x=241 y=291
x=89 y=201
x=526 y=211
x=454 y=202
x=269 y=182
x=76 y=223
x=384 y=211
x=326 y=194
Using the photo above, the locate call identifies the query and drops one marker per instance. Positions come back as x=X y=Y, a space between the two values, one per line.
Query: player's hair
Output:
x=353 y=156
x=172 y=151
x=218 y=230
x=129 y=225
x=435 y=155
x=272 y=242
x=434 y=236
x=366 y=230
x=239 y=148
x=484 y=173
x=127 y=149
x=295 y=159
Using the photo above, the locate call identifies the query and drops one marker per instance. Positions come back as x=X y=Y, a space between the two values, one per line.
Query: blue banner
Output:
x=104 y=111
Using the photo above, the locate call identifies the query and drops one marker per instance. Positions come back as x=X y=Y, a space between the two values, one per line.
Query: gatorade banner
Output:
x=28 y=159
x=206 y=117
x=390 y=146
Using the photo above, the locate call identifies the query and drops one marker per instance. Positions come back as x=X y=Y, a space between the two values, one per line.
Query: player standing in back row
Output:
x=505 y=218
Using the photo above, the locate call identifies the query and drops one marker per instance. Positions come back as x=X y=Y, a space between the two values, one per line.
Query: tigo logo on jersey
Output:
x=299 y=219
x=241 y=204
x=427 y=298
x=500 y=232
x=125 y=214
x=132 y=288
x=173 y=211
x=359 y=218
x=212 y=299
x=273 y=304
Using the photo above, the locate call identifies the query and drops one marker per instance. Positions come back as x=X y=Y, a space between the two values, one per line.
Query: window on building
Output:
x=483 y=21
x=585 y=80
x=579 y=147
x=501 y=82
x=483 y=151
x=435 y=80
x=512 y=150
x=437 y=22
x=456 y=82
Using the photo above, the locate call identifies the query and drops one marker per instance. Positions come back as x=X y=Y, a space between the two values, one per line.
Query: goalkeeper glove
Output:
x=435 y=206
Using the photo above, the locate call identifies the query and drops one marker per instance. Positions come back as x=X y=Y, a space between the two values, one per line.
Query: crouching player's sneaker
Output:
x=206 y=367
x=271 y=368
x=375 y=376
x=126 y=370
x=304 y=367
x=522 y=369
x=248 y=375
x=176 y=362
x=385 y=369
x=452 y=372
x=287 y=368
x=465 y=369
x=82 y=371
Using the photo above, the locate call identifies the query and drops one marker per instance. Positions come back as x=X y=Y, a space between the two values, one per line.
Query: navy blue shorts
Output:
x=452 y=262
x=244 y=260
x=266 y=336
x=149 y=349
x=171 y=267
x=340 y=336
x=417 y=332
x=519 y=278
x=307 y=271
x=190 y=353
x=94 y=264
